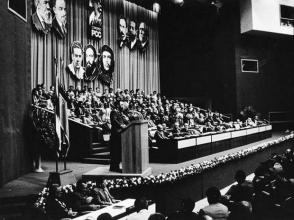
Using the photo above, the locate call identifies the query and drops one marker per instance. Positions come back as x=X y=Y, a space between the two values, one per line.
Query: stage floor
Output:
x=33 y=183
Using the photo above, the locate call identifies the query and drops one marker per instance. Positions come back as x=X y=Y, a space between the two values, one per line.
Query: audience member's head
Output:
x=156 y=216
x=213 y=195
x=240 y=176
x=80 y=185
x=104 y=216
x=159 y=127
x=140 y=203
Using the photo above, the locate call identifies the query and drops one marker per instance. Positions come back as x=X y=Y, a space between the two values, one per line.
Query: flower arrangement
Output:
x=65 y=191
x=42 y=198
x=193 y=169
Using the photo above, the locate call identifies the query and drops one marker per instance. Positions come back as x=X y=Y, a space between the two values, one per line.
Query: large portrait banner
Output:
x=95 y=19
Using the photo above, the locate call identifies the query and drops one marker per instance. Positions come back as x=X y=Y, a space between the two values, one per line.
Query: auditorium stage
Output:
x=32 y=183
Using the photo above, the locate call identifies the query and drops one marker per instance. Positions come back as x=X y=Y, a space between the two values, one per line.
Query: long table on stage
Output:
x=120 y=210
x=188 y=148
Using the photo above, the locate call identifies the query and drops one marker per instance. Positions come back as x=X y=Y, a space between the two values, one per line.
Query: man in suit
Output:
x=132 y=43
x=75 y=71
x=143 y=37
x=91 y=63
x=42 y=18
x=59 y=21
x=118 y=120
x=159 y=134
x=122 y=30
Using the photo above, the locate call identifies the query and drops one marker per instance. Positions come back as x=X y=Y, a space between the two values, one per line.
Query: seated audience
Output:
x=101 y=194
x=183 y=119
x=82 y=200
x=56 y=208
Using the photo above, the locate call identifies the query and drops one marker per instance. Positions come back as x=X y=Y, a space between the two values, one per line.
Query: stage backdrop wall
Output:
x=132 y=68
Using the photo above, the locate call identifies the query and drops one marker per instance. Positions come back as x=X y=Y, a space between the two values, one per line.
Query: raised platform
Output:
x=188 y=148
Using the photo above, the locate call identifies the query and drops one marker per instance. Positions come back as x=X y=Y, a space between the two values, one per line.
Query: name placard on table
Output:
x=204 y=140
x=220 y=137
x=252 y=131
x=186 y=143
x=238 y=133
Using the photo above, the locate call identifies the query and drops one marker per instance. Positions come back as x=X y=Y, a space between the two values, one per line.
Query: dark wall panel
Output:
x=15 y=91
x=186 y=36
x=200 y=52
x=272 y=88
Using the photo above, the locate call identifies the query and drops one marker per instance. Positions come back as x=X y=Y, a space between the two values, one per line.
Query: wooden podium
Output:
x=135 y=150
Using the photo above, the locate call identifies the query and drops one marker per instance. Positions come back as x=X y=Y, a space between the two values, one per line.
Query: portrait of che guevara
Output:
x=42 y=17
x=106 y=62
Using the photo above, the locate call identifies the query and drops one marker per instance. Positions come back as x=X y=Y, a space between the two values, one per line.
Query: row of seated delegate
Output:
x=171 y=118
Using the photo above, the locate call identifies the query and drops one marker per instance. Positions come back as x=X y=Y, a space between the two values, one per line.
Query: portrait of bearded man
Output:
x=42 y=18
x=122 y=32
x=143 y=37
x=92 y=68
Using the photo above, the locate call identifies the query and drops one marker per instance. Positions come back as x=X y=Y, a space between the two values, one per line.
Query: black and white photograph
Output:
x=147 y=110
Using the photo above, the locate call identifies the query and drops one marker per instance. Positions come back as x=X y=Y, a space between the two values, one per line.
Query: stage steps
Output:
x=100 y=154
